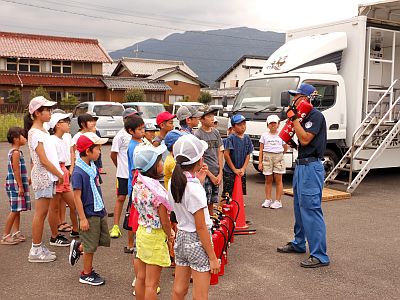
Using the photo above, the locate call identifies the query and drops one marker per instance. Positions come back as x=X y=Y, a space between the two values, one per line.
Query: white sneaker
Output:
x=267 y=203
x=277 y=204
x=37 y=254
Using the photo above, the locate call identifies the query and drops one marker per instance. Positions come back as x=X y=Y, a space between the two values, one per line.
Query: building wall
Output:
x=180 y=88
x=150 y=96
x=179 y=77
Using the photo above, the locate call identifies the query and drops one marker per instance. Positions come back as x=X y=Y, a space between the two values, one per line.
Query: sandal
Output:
x=64 y=227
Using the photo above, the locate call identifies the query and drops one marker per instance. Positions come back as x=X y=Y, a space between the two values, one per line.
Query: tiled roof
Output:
x=52 y=48
x=123 y=83
x=163 y=72
x=219 y=93
x=50 y=80
x=147 y=67
x=108 y=68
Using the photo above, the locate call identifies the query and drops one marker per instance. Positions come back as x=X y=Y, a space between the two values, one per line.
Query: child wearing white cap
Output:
x=271 y=162
x=194 y=253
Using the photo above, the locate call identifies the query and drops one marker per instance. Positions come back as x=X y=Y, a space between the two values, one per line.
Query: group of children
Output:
x=171 y=179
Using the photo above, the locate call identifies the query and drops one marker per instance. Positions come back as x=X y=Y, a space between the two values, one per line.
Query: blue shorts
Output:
x=47 y=192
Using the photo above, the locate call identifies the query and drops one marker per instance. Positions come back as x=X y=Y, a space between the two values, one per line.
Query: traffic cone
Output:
x=237 y=194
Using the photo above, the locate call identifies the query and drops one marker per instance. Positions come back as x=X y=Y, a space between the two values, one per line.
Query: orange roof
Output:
x=52 y=47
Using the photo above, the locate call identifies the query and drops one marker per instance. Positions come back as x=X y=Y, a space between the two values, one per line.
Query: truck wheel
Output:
x=330 y=161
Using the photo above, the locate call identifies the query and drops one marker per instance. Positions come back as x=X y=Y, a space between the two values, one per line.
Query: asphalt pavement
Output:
x=362 y=234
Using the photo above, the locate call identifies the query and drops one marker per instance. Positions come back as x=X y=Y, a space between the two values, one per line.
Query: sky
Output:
x=120 y=23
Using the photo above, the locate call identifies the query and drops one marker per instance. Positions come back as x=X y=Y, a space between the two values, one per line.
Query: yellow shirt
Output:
x=169 y=165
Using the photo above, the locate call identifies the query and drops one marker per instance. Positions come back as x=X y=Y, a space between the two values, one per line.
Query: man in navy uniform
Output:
x=308 y=182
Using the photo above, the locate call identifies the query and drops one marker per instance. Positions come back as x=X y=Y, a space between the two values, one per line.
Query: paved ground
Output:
x=363 y=241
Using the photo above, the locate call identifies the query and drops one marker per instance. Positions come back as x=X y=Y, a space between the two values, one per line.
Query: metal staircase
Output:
x=375 y=133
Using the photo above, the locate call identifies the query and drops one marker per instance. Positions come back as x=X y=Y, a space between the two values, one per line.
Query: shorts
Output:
x=96 y=236
x=47 y=192
x=212 y=191
x=189 y=252
x=229 y=181
x=273 y=163
x=66 y=186
x=152 y=248
x=122 y=186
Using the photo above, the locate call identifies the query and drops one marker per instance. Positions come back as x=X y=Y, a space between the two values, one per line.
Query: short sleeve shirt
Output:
x=315 y=123
x=61 y=148
x=194 y=198
x=131 y=166
x=272 y=143
x=67 y=138
x=214 y=141
x=238 y=148
x=120 y=145
x=81 y=181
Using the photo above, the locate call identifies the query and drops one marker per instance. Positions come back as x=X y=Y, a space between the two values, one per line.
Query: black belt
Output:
x=307 y=160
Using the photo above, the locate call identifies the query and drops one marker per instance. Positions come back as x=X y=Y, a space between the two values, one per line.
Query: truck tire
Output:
x=330 y=161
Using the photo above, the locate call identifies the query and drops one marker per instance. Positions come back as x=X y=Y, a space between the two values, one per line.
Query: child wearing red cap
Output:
x=166 y=124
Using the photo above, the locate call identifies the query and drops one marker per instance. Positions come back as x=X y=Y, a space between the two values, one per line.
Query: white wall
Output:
x=179 y=77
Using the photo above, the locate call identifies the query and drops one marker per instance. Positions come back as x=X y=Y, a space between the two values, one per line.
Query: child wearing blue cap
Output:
x=236 y=161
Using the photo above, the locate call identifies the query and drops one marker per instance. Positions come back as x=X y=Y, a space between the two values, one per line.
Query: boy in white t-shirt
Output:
x=271 y=162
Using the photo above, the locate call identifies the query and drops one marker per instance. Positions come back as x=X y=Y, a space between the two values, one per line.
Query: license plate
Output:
x=111 y=132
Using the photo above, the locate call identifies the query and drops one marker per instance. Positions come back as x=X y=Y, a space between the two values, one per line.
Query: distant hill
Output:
x=208 y=53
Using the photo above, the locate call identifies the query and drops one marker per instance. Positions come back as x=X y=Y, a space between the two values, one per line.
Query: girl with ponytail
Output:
x=194 y=253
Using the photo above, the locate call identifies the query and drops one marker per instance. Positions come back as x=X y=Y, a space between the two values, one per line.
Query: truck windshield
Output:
x=108 y=110
x=258 y=93
x=150 y=112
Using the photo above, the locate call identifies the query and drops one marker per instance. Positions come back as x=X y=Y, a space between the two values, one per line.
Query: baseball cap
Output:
x=38 y=102
x=146 y=156
x=150 y=127
x=208 y=110
x=273 y=119
x=172 y=137
x=88 y=139
x=236 y=119
x=164 y=116
x=188 y=111
x=56 y=117
x=304 y=89
x=130 y=112
x=190 y=147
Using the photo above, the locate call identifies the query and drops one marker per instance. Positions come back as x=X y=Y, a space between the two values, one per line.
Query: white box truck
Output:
x=354 y=65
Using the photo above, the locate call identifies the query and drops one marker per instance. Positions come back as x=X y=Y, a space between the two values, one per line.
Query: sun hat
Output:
x=304 y=89
x=164 y=116
x=188 y=111
x=38 y=102
x=189 y=147
x=172 y=137
x=236 y=119
x=88 y=139
x=57 y=117
x=273 y=119
x=146 y=156
x=150 y=127
x=130 y=112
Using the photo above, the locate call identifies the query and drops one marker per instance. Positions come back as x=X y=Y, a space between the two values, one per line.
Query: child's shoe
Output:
x=19 y=236
x=9 y=240
x=74 y=234
x=115 y=232
x=92 y=278
x=60 y=241
x=38 y=254
x=277 y=204
x=74 y=252
x=267 y=203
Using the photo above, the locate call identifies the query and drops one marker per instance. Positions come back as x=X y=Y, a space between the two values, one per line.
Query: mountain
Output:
x=208 y=53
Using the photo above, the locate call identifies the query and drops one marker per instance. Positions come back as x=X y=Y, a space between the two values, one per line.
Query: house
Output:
x=62 y=65
x=183 y=82
x=245 y=67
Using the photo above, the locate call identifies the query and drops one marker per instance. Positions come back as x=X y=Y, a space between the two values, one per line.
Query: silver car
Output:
x=109 y=114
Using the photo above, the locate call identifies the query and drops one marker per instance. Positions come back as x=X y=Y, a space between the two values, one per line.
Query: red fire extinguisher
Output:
x=218 y=243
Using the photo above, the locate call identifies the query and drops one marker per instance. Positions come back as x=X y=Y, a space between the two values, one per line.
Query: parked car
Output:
x=149 y=110
x=109 y=114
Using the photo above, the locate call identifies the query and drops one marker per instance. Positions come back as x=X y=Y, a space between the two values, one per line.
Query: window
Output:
x=58 y=66
x=108 y=110
x=174 y=98
x=327 y=92
x=84 y=96
x=56 y=95
x=155 y=98
x=11 y=64
x=29 y=65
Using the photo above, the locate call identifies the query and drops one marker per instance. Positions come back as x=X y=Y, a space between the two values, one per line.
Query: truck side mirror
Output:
x=224 y=101
x=285 y=99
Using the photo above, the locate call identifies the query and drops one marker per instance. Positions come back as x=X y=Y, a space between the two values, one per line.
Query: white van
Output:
x=149 y=110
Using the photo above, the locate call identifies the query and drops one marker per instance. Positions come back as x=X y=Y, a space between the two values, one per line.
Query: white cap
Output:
x=38 y=102
x=190 y=147
x=146 y=156
x=56 y=117
x=273 y=119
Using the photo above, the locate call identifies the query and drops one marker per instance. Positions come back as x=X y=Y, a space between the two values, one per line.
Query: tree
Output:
x=14 y=96
x=70 y=100
x=40 y=91
x=204 y=97
x=134 y=95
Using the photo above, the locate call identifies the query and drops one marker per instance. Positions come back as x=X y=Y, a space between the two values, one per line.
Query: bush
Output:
x=14 y=96
x=7 y=121
x=70 y=100
x=134 y=95
x=40 y=91
x=204 y=97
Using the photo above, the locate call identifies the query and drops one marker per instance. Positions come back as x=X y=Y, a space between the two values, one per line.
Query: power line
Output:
x=129 y=22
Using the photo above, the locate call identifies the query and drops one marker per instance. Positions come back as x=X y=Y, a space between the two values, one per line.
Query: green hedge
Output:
x=7 y=121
